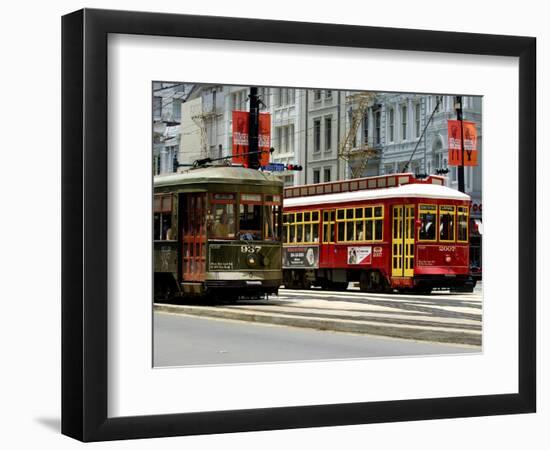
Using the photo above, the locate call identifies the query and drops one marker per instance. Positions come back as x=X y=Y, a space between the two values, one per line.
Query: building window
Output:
x=438 y=98
x=454 y=173
x=327 y=174
x=317 y=95
x=316 y=176
x=239 y=100
x=366 y=130
x=176 y=109
x=317 y=135
x=328 y=94
x=292 y=96
x=417 y=119
x=264 y=96
x=328 y=133
x=377 y=127
x=157 y=107
x=288 y=180
x=392 y=124
x=404 y=123
x=286 y=139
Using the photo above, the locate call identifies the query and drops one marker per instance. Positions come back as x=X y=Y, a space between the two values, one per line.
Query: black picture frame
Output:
x=84 y=224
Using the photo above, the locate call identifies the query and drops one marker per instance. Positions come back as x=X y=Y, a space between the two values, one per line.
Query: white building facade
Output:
x=309 y=126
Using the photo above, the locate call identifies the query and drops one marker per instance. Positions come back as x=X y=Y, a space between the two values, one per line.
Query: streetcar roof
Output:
x=218 y=174
x=405 y=191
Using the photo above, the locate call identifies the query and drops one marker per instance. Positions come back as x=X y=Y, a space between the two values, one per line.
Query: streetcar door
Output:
x=403 y=240
x=329 y=232
x=193 y=258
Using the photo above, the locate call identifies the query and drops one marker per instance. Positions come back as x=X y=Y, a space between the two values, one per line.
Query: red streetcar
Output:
x=387 y=232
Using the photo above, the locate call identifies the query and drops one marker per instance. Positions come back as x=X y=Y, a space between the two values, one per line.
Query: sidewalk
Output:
x=441 y=317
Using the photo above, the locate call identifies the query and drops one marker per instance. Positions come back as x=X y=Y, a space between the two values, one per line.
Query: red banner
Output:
x=240 y=137
x=241 y=129
x=264 y=138
x=470 y=143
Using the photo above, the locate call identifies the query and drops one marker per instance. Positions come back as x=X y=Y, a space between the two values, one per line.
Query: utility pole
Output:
x=254 y=119
x=458 y=107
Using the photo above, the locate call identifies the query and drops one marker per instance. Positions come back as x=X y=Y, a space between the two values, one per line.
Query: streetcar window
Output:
x=307 y=233
x=462 y=224
x=271 y=222
x=349 y=231
x=368 y=230
x=377 y=230
x=360 y=224
x=162 y=226
x=250 y=221
x=328 y=226
x=446 y=223
x=341 y=231
x=359 y=235
x=315 y=234
x=307 y=227
x=223 y=225
x=374 y=223
x=285 y=228
x=299 y=232
x=427 y=215
x=220 y=216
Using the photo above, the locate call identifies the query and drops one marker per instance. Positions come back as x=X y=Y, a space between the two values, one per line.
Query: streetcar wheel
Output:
x=339 y=285
x=365 y=282
x=424 y=291
x=372 y=281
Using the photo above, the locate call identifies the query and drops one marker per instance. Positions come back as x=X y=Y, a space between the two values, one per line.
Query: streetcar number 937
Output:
x=250 y=248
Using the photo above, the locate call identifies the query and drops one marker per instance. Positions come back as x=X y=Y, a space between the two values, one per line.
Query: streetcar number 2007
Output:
x=446 y=248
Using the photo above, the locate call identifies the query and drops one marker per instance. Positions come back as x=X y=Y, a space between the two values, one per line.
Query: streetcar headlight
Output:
x=251 y=260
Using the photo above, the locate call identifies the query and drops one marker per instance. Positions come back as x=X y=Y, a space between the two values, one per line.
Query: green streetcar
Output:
x=217 y=233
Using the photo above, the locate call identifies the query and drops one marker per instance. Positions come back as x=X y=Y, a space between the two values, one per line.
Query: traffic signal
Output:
x=293 y=167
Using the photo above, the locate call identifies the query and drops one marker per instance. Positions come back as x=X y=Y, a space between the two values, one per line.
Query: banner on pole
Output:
x=470 y=143
x=264 y=138
x=240 y=137
x=241 y=128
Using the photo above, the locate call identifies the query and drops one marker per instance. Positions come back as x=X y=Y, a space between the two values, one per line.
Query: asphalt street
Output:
x=182 y=340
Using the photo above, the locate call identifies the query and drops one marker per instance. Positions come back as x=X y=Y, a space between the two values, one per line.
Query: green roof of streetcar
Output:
x=218 y=175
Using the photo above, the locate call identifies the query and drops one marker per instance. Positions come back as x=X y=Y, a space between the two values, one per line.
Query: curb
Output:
x=428 y=334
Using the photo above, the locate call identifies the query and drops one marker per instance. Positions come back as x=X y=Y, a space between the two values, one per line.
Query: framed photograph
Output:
x=273 y=225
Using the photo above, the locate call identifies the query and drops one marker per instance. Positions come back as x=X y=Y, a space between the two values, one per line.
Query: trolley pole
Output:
x=254 y=118
x=458 y=107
